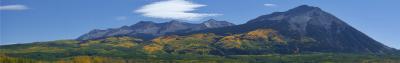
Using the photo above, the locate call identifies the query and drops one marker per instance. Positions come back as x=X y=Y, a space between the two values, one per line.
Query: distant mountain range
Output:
x=149 y=29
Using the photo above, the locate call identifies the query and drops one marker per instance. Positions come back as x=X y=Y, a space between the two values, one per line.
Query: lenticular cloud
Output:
x=173 y=9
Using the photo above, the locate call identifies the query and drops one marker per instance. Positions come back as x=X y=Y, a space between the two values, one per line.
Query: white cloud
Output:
x=270 y=5
x=121 y=18
x=16 y=7
x=173 y=9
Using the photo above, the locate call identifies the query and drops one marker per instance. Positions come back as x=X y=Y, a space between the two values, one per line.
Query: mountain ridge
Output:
x=149 y=29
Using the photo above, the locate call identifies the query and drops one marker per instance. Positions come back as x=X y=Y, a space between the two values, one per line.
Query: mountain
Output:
x=305 y=34
x=301 y=29
x=212 y=23
x=149 y=29
x=309 y=24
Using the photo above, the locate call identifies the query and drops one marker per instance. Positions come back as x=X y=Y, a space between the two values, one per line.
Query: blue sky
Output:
x=24 y=21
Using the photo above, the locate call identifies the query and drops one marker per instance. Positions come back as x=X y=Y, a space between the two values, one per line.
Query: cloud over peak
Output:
x=16 y=7
x=173 y=9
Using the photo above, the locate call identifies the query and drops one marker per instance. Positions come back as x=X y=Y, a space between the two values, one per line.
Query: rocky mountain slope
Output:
x=303 y=24
x=149 y=29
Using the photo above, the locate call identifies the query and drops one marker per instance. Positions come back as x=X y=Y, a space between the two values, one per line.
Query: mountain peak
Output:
x=175 y=22
x=145 y=22
x=210 y=20
x=300 y=17
x=212 y=23
x=304 y=8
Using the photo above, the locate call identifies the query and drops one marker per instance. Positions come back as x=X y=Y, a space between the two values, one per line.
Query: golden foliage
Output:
x=111 y=39
x=90 y=42
x=66 y=42
x=125 y=39
x=231 y=41
x=260 y=33
x=126 y=42
x=152 y=48
x=82 y=59
x=209 y=37
x=99 y=59
x=265 y=34
x=239 y=40
x=118 y=39
x=6 y=59
x=199 y=35
x=164 y=39
x=278 y=39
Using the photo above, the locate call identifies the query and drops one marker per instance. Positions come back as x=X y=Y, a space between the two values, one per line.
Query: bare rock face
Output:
x=330 y=33
x=149 y=29
x=310 y=29
x=212 y=23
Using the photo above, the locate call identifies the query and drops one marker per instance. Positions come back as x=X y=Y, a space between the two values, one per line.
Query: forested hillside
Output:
x=263 y=45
